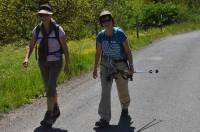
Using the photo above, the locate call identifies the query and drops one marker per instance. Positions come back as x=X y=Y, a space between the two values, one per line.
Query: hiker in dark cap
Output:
x=116 y=63
x=52 y=45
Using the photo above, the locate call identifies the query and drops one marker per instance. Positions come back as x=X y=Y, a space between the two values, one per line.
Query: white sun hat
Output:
x=45 y=9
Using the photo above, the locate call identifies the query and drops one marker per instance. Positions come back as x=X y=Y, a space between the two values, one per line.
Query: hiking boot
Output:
x=56 y=111
x=48 y=119
x=102 y=123
x=124 y=113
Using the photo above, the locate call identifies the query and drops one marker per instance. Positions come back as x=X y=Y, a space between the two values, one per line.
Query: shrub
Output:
x=156 y=14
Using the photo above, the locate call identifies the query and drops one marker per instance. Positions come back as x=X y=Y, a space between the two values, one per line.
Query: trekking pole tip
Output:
x=156 y=71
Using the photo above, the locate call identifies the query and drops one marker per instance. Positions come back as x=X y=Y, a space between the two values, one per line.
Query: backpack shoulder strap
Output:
x=38 y=28
x=57 y=30
x=117 y=30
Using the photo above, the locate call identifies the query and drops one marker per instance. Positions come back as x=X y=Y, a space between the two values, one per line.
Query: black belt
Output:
x=119 y=61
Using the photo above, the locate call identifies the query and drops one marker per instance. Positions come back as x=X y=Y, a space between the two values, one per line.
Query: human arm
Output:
x=66 y=53
x=128 y=53
x=97 y=59
x=29 y=50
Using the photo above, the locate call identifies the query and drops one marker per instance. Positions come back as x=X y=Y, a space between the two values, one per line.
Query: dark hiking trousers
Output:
x=50 y=72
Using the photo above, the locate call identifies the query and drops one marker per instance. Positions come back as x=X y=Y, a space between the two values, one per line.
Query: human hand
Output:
x=95 y=74
x=66 y=68
x=25 y=63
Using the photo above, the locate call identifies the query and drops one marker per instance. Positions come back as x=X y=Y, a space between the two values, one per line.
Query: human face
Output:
x=106 y=21
x=45 y=17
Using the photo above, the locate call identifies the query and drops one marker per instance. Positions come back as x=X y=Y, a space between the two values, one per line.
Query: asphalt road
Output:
x=171 y=99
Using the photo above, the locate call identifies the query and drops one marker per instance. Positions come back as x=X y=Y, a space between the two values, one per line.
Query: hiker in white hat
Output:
x=52 y=45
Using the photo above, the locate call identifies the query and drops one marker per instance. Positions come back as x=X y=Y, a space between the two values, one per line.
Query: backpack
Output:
x=56 y=31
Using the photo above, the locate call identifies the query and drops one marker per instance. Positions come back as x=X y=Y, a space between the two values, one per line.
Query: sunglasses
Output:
x=44 y=15
x=106 y=20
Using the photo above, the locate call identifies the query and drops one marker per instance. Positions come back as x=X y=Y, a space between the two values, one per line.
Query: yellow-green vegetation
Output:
x=19 y=85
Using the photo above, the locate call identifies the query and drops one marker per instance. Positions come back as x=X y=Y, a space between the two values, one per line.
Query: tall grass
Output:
x=81 y=57
x=19 y=85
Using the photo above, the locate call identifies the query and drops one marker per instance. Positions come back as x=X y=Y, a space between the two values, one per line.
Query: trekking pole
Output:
x=150 y=124
x=150 y=71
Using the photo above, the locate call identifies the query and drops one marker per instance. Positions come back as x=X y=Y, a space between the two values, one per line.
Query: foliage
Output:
x=16 y=19
x=194 y=15
x=157 y=14
x=80 y=17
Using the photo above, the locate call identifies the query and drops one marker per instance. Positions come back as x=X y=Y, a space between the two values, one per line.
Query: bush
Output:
x=80 y=17
x=17 y=19
x=194 y=15
x=124 y=13
x=156 y=14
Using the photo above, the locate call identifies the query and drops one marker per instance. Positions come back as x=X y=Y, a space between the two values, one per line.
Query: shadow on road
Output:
x=150 y=124
x=124 y=125
x=45 y=129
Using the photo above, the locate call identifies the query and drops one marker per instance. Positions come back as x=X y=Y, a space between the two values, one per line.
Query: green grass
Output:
x=19 y=85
